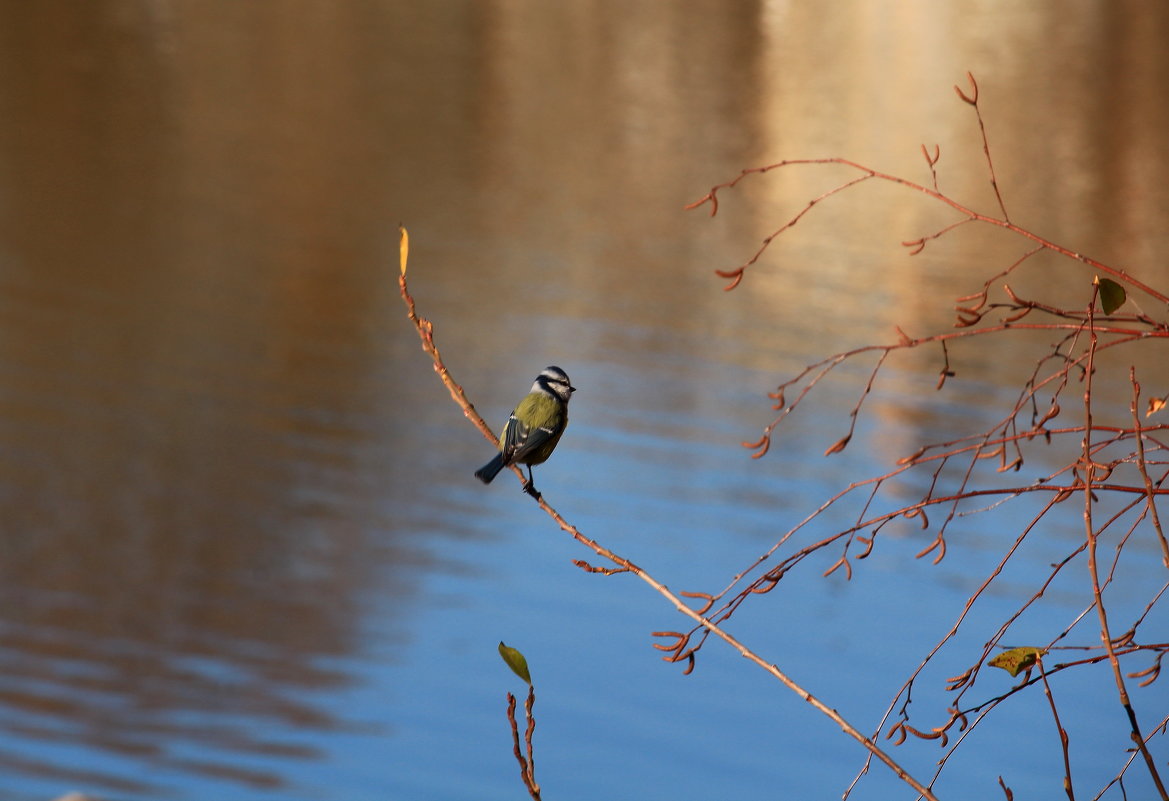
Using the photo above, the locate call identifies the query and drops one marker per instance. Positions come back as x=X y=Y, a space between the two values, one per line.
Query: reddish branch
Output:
x=1085 y=335
x=527 y=763
x=917 y=245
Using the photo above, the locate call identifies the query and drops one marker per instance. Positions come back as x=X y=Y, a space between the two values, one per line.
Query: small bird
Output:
x=534 y=428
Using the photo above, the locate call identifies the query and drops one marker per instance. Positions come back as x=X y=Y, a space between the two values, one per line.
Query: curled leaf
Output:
x=516 y=661
x=1017 y=660
x=1112 y=294
x=1156 y=405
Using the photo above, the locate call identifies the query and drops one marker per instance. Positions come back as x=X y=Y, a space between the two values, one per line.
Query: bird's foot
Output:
x=530 y=488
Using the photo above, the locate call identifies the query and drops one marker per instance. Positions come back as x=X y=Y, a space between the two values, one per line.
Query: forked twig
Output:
x=527 y=763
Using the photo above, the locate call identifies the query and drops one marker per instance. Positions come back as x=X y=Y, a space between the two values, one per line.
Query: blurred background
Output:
x=242 y=554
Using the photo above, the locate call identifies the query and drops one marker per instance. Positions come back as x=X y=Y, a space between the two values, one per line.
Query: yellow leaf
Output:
x=1155 y=405
x=516 y=661
x=1016 y=660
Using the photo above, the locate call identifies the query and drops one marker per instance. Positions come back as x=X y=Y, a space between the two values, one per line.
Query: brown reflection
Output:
x=185 y=419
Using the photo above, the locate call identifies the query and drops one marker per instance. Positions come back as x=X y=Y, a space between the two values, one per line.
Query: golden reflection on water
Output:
x=211 y=426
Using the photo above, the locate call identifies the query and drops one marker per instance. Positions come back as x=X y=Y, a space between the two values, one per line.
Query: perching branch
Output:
x=678 y=651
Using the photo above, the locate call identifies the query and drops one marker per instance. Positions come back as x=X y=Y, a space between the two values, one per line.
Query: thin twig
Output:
x=711 y=197
x=1063 y=735
x=1143 y=467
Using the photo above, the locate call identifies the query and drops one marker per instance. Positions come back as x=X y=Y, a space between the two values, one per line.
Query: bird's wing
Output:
x=520 y=440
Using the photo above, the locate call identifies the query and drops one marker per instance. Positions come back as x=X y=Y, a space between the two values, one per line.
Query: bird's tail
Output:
x=490 y=470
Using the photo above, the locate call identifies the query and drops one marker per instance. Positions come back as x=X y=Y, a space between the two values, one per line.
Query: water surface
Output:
x=242 y=555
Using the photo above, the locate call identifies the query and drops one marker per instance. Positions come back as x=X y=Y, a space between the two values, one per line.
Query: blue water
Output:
x=242 y=554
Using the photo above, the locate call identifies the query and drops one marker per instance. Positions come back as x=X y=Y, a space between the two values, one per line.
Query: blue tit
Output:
x=534 y=428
